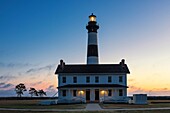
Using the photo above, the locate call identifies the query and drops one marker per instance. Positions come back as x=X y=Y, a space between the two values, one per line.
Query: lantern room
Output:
x=92 y=18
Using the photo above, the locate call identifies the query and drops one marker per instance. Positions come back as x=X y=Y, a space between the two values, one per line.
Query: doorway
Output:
x=88 y=95
x=96 y=94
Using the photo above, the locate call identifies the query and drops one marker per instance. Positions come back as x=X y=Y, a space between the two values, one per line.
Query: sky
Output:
x=36 y=34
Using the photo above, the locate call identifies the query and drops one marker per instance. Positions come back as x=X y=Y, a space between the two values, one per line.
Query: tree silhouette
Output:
x=20 y=88
x=33 y=91
x=41 y=93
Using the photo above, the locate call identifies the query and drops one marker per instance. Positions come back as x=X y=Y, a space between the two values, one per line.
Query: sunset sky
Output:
x=36 y=34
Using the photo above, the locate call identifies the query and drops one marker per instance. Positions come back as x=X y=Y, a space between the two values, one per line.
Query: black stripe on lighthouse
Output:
x=92 y=51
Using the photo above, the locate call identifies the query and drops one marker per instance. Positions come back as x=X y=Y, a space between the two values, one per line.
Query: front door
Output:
x=87 y=95
x=96 y=95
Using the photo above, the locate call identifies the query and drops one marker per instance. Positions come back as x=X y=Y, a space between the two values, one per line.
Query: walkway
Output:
x=93 y=107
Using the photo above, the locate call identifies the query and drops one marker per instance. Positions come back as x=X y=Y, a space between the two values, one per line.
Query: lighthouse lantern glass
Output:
x=92 y=18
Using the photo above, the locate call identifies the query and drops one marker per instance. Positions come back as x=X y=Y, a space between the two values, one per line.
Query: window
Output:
x=120 y=78
x=87 y=79
x=64 y=93
x=74 y=79
x=74 y=93
x=64 y=80
x=120 y=92
x=109 y=79
x=109 y=92
x=96 y=79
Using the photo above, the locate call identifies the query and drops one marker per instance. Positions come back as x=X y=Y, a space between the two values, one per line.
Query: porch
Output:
x=85 y=95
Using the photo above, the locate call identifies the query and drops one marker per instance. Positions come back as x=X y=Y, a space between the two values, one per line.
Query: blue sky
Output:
x=36 y=34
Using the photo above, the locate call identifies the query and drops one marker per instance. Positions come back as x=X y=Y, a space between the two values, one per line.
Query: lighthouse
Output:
x=93 y=82
x=92 y=48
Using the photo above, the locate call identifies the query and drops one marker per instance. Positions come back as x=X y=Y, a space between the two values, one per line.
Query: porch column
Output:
x=69 y=94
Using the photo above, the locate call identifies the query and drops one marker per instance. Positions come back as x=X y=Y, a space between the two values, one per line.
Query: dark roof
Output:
x=93 y=68
x=91 y=85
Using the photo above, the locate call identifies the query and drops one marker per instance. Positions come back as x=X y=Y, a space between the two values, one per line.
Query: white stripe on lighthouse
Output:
x=92 y=60
x=92 y=38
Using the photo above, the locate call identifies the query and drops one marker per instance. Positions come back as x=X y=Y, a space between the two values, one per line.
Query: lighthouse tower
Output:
x=92 y=49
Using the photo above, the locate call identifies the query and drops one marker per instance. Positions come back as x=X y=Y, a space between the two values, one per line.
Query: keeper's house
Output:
x=92 y=82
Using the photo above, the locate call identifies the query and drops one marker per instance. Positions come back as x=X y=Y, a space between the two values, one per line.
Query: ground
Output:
x=32 y=104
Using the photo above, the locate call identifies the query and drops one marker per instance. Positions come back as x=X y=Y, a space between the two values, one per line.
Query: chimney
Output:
x=122 y=63
x=62 y=63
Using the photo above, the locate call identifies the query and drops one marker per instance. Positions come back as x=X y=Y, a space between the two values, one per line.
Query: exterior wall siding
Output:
x=103 y=79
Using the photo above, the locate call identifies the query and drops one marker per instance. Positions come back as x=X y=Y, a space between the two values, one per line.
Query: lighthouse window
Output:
x=64 y=79
x=74 y=79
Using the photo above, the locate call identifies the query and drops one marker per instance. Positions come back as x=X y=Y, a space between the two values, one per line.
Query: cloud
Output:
x=154 y=92
x=34 y=70
x=52 y=91
x=7 y=77
x=4 y=85
x=11 y=65
x=33 y=84
x=51 y=87
x=131 y=80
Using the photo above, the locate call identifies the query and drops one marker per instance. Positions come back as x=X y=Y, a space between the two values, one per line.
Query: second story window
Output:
x=109 y=79
x=64 y=79
x=74 y=79
x=96 y=79
x=87 y=79
x=120 y=78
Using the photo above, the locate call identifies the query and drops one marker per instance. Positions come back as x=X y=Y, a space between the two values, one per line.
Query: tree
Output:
x=20 y=88
x=33 y=92
x=41 y=93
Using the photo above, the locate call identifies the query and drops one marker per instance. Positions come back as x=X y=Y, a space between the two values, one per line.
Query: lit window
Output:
x=64 y=93
x=87 y=79
x=120 y=78
x=74 y=79
x=64 y=79
x=96 y=79
x=109 y=79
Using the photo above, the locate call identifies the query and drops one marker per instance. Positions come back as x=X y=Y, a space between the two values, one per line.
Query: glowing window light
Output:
x=92 y=18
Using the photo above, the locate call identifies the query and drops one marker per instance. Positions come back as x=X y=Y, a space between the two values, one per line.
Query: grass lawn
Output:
x=147 y=111
x=150 y=105
x=33 y=104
